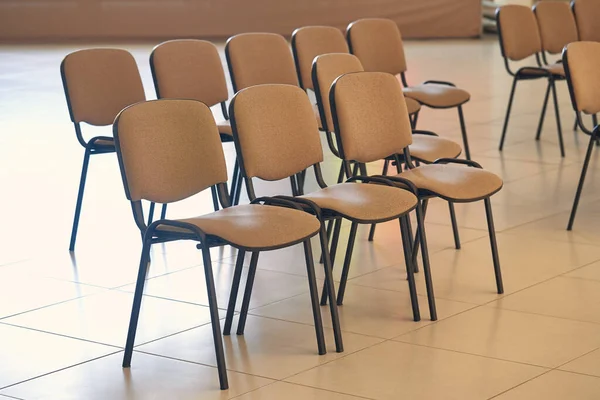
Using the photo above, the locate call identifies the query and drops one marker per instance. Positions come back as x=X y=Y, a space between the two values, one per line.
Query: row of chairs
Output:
x=100 y=82
x=169 y=150
x=545 y=29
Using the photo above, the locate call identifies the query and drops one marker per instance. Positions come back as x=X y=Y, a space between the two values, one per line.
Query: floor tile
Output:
x=510 y=335
x=588 y=364
x=556 y=385
x=283 y=390
x=150 y=377
x=269 y=348
x=590 y=271
x=397 y=370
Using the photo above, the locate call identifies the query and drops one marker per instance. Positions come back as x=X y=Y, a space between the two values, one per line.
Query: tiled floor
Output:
x=63 y=318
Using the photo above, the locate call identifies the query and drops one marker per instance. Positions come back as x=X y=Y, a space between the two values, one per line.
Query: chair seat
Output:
x=412 y=106
x=557 y=69
x=255 y=226
x=104 y=143
x=224 y=127
x=454 y=182
x=437 y=95
x=428 y=148
x=363 y=202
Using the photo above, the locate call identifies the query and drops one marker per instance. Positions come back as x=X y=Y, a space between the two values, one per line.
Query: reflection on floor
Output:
x=63 y=318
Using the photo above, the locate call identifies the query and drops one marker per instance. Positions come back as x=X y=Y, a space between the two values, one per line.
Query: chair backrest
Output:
x=370 y=116
x=312 y=41
x=587 y=15
x=99 y=83
x=168 y=150
x=326 y=69
x=518 y=31
x=377 y=43
x=275 y=131
x=189 y=69
x=258 y=59
x=582 y=61
x=557 y=25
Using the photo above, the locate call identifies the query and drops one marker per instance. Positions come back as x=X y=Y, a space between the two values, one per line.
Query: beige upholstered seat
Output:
x=412 y=106
x=362 y=202
x=587 y=15
x=557 y=25
x=556 y=69
x=454 y=182
x=437 y=96
x=104 y=142
x=255 y=226
x=428 y=148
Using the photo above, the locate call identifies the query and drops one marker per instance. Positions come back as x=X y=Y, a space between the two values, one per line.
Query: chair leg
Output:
x=234 y=179
x=422 y=237
x=454 y=225
x=415 y=242
x=238 y=190
x=543 y=114
x=151 y=213
x=235 y=288
x=163 y=212
x=414 y=300
x=463 y=130
x=588 y=154
x=301 y=180
x=137 y=300
x=558 y=127
x=334 y=244
x=510 y=101
x=494 y=245
x=329 y=285
x=341 y=174
x=84 y=168
x=575 y=125
x=214 y=318
x=247 y=293
x=414 y=121
x=215 y=198
x=386 y=166
x=314 y=297
x=329 y=230
x=347 y=261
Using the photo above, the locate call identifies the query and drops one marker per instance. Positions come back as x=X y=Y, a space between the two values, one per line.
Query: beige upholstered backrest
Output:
x=260 y=58
x=518 y=29
x=587 y=15
x=99 y=83
x=312 y=41
x=371 y=114
x=275 y=130
x=189 y=69
x=326 y=69
x=583 y=66
x=168 y=150
x=378 y=44
x=557 y=25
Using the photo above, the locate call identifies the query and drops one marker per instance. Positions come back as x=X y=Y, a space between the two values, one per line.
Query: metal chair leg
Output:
x=414 y=300
x=247 y=293
x=329 y=231
x=494 y=245
x=334 y=244
x=84 y=168
x=151 y=213
x=329 y=285
x=575 y=125
x=341 y=174
x=347 y=261
x=238 y=190
x=314 y=297
x=454 y=225
x=422 y=237
x=137 y=300
x=215 y=197
x=588 y=155
x=163 y=212
x=234 y=179
x=543 y=114
x=235 y=288
x=558 y=127
x=414 y=121
x=414 y=242
x=214 y=317
x=463 y=130
x=510 y=101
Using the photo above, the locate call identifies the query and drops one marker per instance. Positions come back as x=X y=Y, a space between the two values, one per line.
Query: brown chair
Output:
x=369 y=128
x=426 y=146
x=98 y=83
x=581 y=60
x=278 y=120
x=378 y=44
x=169 y=150
x=519 y=39
x=587 y=15
x=192 y=69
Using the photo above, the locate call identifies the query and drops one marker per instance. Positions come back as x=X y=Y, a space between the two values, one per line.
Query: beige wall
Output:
x=51 y=20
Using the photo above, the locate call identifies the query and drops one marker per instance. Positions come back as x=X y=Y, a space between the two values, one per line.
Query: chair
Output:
x=368 y=128
x=98 y=83
x=583 y=77
x=587 y=14
x=519 y=39
x=257 y=59
x=378 y=44
x=169 y=150
x=191 y=69
x=278 y=120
